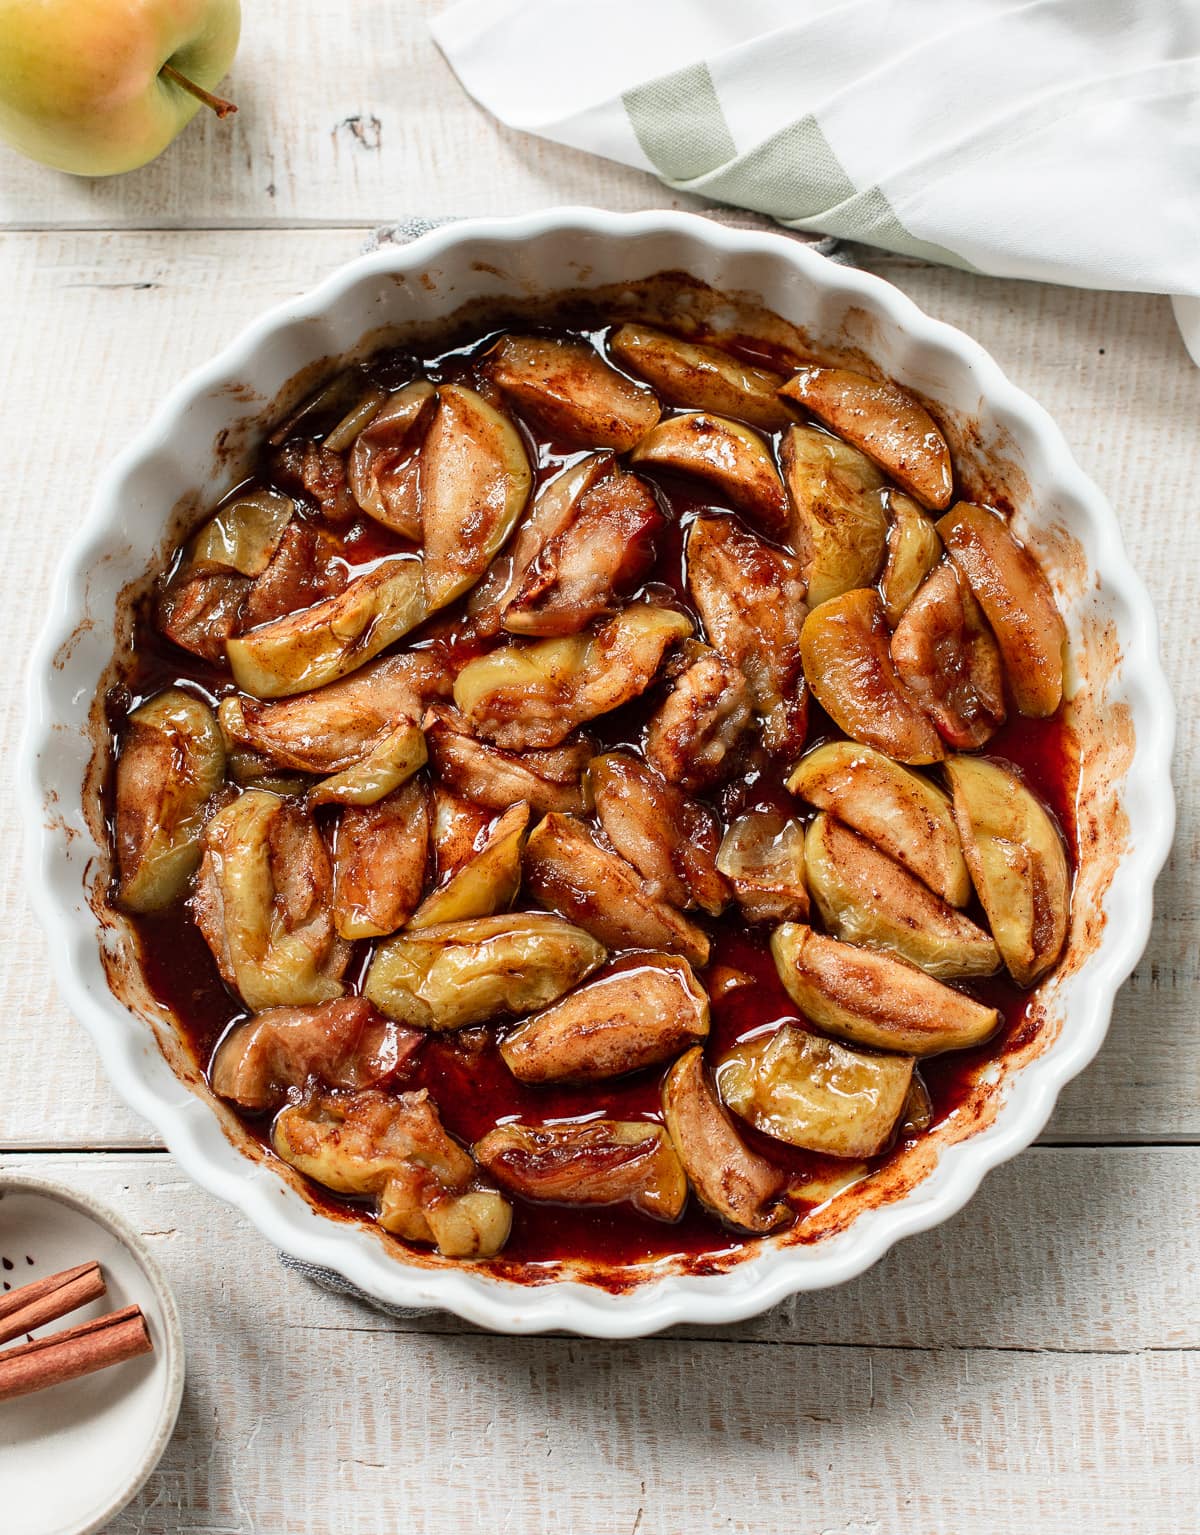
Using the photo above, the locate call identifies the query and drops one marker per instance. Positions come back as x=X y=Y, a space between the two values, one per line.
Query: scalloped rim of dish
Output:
x=192 y=1131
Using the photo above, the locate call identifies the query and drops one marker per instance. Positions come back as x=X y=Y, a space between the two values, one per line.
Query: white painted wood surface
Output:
x=1033 y=1365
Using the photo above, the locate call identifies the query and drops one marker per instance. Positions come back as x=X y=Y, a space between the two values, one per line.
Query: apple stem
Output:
x=218 y=104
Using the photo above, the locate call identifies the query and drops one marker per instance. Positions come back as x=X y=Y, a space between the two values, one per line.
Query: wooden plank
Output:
x=1031 y=1365
x=131 y=312
x=346 y=115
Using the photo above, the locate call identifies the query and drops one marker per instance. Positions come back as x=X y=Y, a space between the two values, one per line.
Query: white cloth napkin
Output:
x=1050 y=139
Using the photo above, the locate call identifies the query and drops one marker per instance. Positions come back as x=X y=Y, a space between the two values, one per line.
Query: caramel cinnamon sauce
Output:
x=465 y=1074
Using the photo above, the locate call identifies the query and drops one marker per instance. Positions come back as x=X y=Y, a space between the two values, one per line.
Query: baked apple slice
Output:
x=1017 y=602
x=762 y=857
x=343 y=1044
x=264 y=903
x=751 y=598
x=572 y=393
x=317 y=645
x=669 y=839
x=580 y=573
x=171 y=762
x=875 y=999
x=333 y=727
x=698 y=377
x=380 y=855
x=548 y=780
x=460 y=973
x=886 y=422
x=913 y=549
x=1017 y=862
x=397 y=1149
x=838 y=525
x=725 y=455
x=848 y=663
x=384 y=468
x=534 y=694
x=598 y=1162
x=393 y=760
x=945 y=655
x=865 y=897
x=474 y=484
x=627 y=1020
x=459 y=830
x=568 y=871
x=736 y=1184
x=902 y=813
x=243 y=535
x=200 y=613
x=551 y=512
x=486 y=883
x=816 y=1093
x=695 y=736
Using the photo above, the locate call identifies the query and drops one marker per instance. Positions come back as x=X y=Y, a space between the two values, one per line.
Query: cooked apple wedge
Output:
x=698 y=377
x=913 y=549
x=460 y=973
x=384 y=469
x=581 y=573
x=625 y=1021
x=693 y=738
x=874 y=999
x=397 y=1149
x=199 y=613
x=669 y=839
x=886 y=422
x=243 y=535
x=732 y=1181
x=751 y=598
x=343 y=1044
x=459 y=829
x=945 y=655
x=762 y=857
x=599 y=1162
x=393 y=759
x=838 y=525
x=333 y=727
x=171 y=762
x=1017 y=862
x=865 y=897
x=319 y=644
x=535 y=694
x=1017 y=602
x=486 y=883
x=902 y=813
x=552 y=509
x=727 y=456
x=568 y=871
x=474 y=484
x=848 y=663
x=549 y=780
x=264 y=903
x=816 y=1093
x=307 y=567
x=572 y=392
x=380 y=855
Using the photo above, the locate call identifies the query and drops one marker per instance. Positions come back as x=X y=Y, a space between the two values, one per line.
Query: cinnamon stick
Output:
x=45 y=1300
x=77 y=1351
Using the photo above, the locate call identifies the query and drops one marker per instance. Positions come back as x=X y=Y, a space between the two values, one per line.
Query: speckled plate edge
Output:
x=188 y=1125
x=171 y=1345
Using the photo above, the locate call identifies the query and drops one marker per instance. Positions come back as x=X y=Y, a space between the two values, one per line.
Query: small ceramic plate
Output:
x=73 y=1455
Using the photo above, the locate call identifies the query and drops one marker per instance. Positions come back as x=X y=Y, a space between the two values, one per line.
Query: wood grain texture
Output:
x=1041 y=1349
x=1110 y=367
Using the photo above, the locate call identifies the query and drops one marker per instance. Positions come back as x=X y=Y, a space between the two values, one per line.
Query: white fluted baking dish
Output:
x=196 y=448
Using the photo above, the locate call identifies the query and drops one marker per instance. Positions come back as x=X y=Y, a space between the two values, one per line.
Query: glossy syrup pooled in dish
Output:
x=693 y=671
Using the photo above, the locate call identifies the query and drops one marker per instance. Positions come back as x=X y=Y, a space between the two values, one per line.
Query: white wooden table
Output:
x=1034 y=1365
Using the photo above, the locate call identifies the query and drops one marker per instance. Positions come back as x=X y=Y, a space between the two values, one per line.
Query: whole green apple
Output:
x=97 y=87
